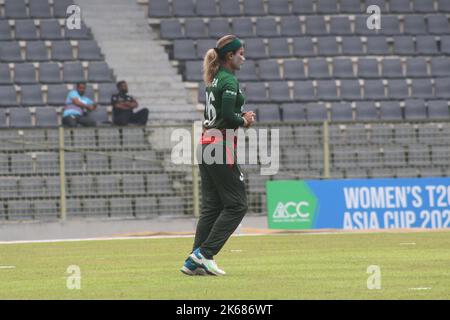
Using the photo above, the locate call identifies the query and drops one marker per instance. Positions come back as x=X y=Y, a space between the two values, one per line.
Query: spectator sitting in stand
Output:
x=123 y=106
x=77 y=108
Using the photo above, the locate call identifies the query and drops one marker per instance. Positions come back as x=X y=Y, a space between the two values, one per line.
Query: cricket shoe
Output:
x=208 y=264
x=191 y=269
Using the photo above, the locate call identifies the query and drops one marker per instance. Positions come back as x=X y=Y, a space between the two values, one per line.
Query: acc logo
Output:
x=291 y=210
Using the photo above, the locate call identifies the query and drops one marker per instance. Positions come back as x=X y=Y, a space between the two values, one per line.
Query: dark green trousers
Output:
x=224 y=204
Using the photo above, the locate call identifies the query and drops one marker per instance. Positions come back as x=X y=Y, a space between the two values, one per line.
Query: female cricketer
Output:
x=224 y=201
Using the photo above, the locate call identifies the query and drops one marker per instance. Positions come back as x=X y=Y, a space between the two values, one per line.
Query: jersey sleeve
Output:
x=229 y=95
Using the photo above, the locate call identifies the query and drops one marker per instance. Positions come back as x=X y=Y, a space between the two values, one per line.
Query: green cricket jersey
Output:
x=224 y=102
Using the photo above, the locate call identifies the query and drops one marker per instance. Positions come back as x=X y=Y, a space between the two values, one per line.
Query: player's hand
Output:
x=250 y=117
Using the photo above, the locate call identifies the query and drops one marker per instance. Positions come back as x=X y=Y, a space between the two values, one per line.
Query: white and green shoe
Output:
x=191 y=269
x=209 y=265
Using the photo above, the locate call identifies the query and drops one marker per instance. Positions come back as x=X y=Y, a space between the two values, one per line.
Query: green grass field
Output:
x=299 y=266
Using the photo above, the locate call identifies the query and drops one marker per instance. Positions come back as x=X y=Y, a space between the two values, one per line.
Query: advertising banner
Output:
x=358 y=204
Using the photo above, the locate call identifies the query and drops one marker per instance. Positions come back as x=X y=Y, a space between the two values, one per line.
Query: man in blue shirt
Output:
x=76 y=110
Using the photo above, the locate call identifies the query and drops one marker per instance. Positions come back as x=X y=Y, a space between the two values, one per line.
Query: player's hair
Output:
x=211 y=61
x=118 y=84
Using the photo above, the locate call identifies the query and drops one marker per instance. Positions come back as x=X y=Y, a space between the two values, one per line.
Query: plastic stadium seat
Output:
x=392 y=68
x=377 y=46
x=62 y=51
x=398 y=89
x=206 y=8
x=19 y=118
x=422 y=88
x=327 y=46
x=442 y=87
x=365 y=110
x=294 y=69
x=302 y=7
x=256 y=92
x=279 y=91
x=158 y=9
x=39 y=9
x=269 y=70
x=438 y=24
x=254 y=8
x=31 y=95
x=5 y=75
x=342 y=68
x=218 y=27
x=25 y=30
x=390 y=110
x=36 y=51
x=293 y=112
x=50 y=30
x=89 y=50
x=440 y=66
x=266 y=27
x=340 y=25
x=278 y=7
x=73 y=72
x=255 y=48
x=203 y=45
x=171 y=29
x=326 y=90
x=46 y=117
x=304 y=91
x=350 y=90
x=303 y=47
x=318 y=68
x=368 y=68
x=379 y=3
x=426 y=45
x=415 y=24
x=10 y=52
x=5 y=30
x=60 y=8
x=316 y=112
x=193 y=70
x=445 y=45
x=352 y=46
x=444 y=5
x=105 y=91
x=100 y=115
x=9 y=97
x=438 y=109
x=327 y=7
x=390 y=25
x=315 y=25
x=15 y=9
x=243 y=27
x=404 y=45
x=415 y=109
x=423 y=6
x=195 y=28
x=99 y=72
x=290 y=26
x=341 y=111
x=229 y=8
x=24 y=73
x=278 y=48
x=3 y=125
x=416 y=67
x=399 y=6
x=183 y=49
x=183 y=8
x=268 y=113
x=49 y=73
x=361 y=26
x=374 y=90
x=57 y=94
x=351 y=6
x=247 y=72
x=84 y=33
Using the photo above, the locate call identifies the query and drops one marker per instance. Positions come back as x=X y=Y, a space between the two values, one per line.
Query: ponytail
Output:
x=211 y=65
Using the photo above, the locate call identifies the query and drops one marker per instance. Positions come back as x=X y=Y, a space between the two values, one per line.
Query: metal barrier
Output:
x=110 y=172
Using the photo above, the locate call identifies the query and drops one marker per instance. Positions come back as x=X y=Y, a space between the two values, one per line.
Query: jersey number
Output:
x=210 y=109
